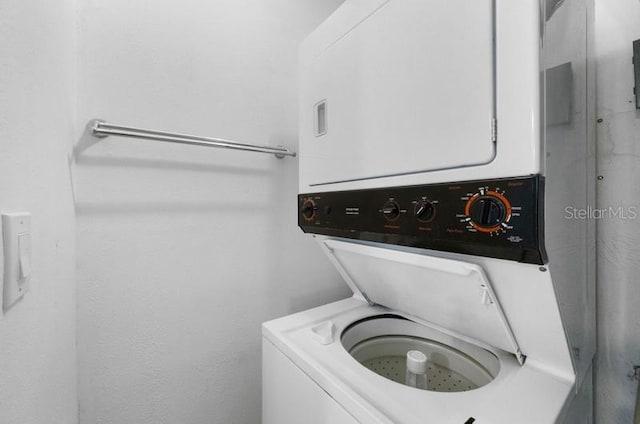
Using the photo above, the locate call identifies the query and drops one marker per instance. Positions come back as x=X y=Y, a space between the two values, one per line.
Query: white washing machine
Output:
x=446 y=156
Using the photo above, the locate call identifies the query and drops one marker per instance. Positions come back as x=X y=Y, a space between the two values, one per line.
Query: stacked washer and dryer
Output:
x=446 y=161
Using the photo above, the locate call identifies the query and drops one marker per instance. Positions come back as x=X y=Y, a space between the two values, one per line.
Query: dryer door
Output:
x=453 y=295
x=409 y=89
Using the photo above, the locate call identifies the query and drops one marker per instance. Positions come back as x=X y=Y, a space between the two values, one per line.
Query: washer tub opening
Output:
x=381 y=344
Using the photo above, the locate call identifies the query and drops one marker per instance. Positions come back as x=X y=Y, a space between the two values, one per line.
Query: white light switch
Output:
x=24 y=251
x=16 y=236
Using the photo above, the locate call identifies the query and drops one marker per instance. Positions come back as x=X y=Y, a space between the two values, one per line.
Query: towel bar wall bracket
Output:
x=101 y=129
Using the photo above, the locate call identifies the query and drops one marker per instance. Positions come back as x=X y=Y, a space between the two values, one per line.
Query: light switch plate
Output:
x=16 y=240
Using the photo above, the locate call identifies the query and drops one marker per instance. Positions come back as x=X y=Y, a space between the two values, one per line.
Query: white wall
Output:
x=183 y=251
x=38 y=335
x=617 y=25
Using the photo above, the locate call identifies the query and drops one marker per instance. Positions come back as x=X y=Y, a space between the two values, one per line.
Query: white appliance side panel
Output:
x=570 y=174
x=289 y=396
x=408 y=90
x=342 y=21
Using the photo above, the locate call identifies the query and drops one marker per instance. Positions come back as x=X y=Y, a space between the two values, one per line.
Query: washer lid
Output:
x=454 y=295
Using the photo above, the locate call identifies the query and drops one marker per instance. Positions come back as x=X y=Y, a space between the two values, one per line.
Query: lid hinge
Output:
x=494 y=130
x=345 y=275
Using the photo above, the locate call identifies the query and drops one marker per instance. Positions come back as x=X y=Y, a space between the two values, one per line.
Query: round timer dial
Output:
x=308 y=210
x=488 y=212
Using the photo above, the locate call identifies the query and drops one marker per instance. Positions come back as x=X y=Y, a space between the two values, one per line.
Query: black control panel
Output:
x=500 y=218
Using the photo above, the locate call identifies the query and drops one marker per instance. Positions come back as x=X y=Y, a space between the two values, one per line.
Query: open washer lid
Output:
x=454 y=295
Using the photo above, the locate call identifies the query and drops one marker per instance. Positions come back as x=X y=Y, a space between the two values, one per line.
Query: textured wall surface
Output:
x=617 y=25
x=38 y=334
x=183 y=251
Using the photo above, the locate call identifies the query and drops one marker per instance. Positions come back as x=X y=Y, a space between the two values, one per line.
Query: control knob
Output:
x=308 y=210
x=488 y=211
x=424 y=211
x=391 y=210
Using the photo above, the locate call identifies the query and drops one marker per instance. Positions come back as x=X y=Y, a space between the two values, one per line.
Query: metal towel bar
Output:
x=102 y=129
